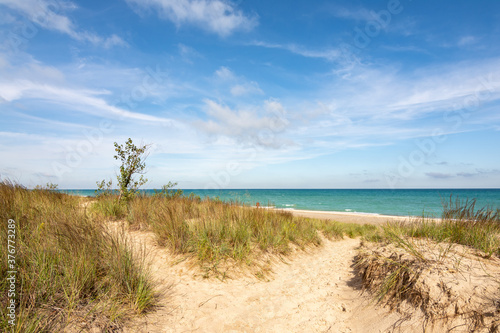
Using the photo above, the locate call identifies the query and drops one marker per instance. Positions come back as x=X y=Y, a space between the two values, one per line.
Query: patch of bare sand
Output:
x=314 y=291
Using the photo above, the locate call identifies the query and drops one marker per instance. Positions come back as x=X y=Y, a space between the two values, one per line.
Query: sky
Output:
x=252 y=94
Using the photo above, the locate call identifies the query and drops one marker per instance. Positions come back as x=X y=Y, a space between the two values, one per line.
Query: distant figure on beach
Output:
x=257 y=204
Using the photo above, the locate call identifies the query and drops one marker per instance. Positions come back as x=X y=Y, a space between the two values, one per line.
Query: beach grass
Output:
x=214 y=231
x=461 y=223
x=70 y=271
x=396 y=269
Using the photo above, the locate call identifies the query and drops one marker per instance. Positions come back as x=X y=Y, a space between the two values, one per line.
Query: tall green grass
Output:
x=71 y=272
x=214 y=231
x=109 y=207
x=461 y=223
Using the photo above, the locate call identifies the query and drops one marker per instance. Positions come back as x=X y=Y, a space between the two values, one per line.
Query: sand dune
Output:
x=313 y=291
x=316 y=290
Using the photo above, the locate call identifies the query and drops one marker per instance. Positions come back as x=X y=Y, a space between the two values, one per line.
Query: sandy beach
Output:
x=347 y=217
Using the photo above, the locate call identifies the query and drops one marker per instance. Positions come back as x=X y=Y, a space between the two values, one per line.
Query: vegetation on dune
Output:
x=461 y=223
x=214 y=231
x=70 y=270
x=411 y=253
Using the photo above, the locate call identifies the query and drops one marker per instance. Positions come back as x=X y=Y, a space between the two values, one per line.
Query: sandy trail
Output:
x=314 y=291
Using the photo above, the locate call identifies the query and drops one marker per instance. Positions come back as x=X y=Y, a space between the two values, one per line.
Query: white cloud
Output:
x=405 y=48
x=360 y=14
x=74 y=99
x=328 y=54
x=385 y=92
x=188 y=53
x=48 y=15
x=450 y=89
x=218 y=16
x=108 y=42
x=246 y=89
x=467 y=40
x=247 y=127
x=239 y=86
x=225 y=73
x=381 y=105
x=43 y=13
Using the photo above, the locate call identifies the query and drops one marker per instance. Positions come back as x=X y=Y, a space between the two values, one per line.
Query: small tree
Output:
x=133 y=162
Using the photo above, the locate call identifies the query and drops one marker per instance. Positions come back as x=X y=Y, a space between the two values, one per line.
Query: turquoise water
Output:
x=405 y=202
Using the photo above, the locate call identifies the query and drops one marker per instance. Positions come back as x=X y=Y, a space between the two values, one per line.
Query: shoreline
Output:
x=346 y=217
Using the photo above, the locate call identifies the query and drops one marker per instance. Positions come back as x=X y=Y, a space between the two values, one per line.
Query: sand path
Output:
x=314 y=291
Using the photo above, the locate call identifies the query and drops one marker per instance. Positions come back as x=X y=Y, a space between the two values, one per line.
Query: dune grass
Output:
x=108 y=207
x=214 y=231
x=461 y=223
x=70 y=271
x=394 y=270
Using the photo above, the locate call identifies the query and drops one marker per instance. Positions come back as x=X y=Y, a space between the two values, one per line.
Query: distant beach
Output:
x=359 y=218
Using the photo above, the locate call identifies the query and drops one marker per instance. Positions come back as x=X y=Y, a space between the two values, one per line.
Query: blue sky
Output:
x=252 y=94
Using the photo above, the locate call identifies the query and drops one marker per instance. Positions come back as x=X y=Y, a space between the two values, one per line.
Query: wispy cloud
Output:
x=463 y=174
x=239 y=86
x=405 y=48
x=467 y=40
x=217 y=16
x=391 y=94
x=224 y=73
x=439 y=175
x=358 y=14
x=92 y=90
x=246 y=89
x=86 y=101
x=478 y=172
x=50 y=15
x=188 y=53
x=328 y=54
x=391 y=22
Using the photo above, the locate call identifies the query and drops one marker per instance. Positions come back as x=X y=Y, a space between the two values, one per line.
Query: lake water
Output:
x=402 y=202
